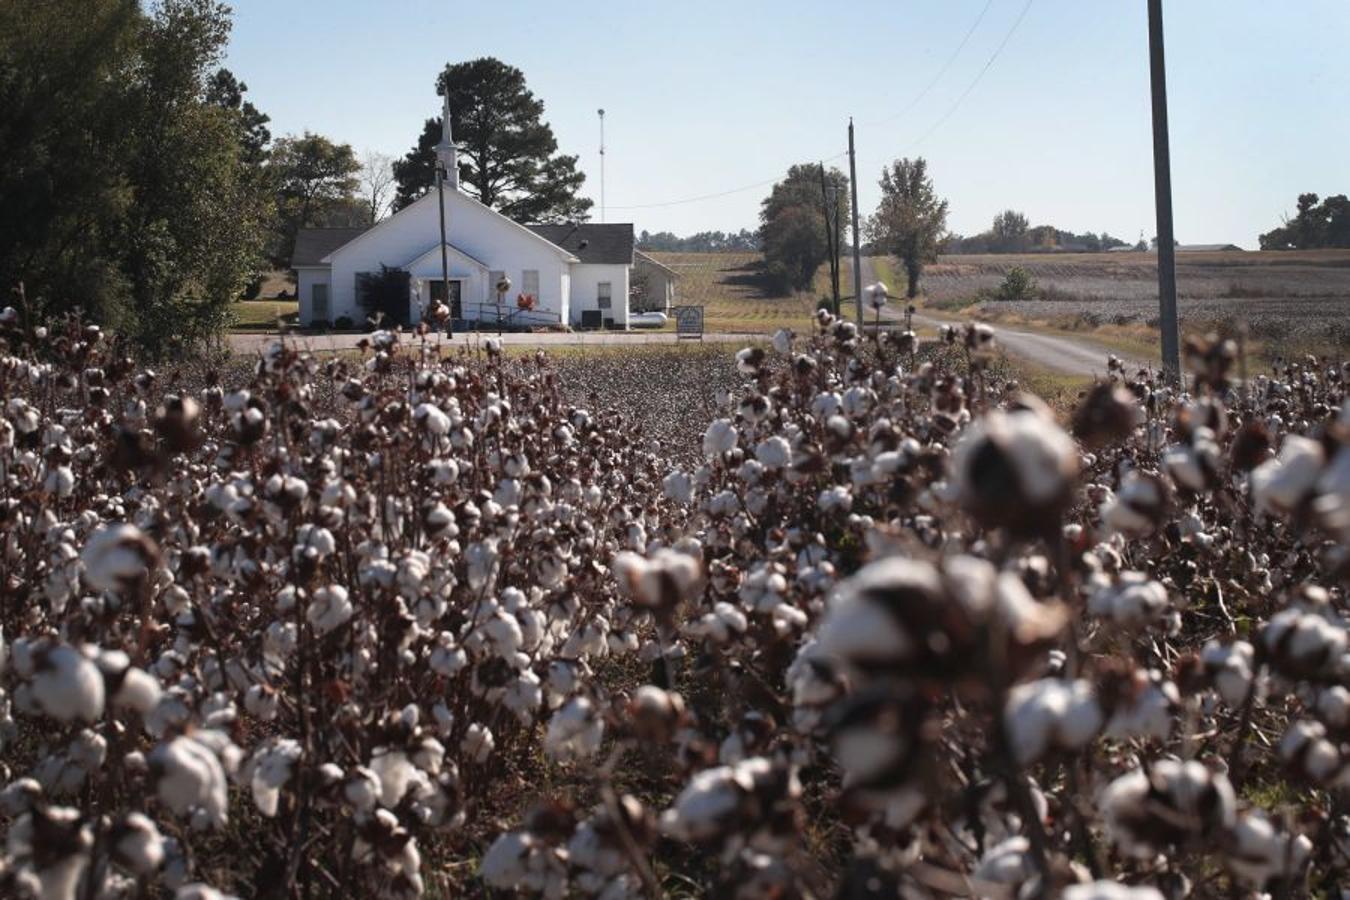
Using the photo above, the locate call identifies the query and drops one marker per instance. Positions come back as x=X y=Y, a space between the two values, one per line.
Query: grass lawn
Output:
x=262 y=315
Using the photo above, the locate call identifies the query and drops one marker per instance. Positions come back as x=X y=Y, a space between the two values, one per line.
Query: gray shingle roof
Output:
x=313 y=244
x=591 y=242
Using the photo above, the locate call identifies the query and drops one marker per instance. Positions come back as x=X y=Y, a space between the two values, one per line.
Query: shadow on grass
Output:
x=753 y=277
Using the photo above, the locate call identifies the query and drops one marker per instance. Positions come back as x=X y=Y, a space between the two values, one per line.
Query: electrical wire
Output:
x=726 y=193
x=936 y=125
x=987 y=66
x=941 y=72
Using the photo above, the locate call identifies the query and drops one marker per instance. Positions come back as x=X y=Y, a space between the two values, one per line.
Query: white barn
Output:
x=575 y=274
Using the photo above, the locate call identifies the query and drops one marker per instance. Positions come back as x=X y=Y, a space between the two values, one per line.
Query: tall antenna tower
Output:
x=602 y=165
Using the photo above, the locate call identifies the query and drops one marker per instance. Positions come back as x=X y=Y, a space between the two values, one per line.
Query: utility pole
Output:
x=602 y=165
x=857 y=250
x=445 y=159
x=1162 y=196
x=445 y=263
x=830 y=195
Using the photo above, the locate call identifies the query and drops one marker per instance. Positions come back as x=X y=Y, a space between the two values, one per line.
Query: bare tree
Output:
x=377 y=183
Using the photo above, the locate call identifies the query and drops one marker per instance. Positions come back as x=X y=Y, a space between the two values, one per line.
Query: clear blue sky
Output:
x=703 y=97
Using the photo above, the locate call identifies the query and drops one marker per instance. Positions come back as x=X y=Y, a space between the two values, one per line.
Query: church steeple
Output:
x=445 y=150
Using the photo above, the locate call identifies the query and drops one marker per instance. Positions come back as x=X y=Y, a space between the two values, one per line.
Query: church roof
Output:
x=313 y=244
x=592 y=242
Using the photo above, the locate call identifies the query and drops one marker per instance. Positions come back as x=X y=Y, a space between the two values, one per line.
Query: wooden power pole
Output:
x=1162 y=197
x=857 y=249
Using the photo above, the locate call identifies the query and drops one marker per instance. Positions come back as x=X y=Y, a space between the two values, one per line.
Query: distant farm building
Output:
x=1206 y=248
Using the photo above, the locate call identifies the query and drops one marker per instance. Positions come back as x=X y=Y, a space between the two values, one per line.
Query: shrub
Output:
x=344 y=323
x=1018 y=284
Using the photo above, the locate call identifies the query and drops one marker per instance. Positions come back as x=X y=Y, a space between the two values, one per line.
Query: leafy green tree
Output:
x=1009 y=231
x=792 y=224
x=226 y=91
x=911 y=218
x=1317 y=224
x=508 y=155
x=316 y=182
x=127 y=193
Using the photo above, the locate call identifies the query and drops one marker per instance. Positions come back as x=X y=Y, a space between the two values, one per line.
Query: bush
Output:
x=344 y=323
x=1017 y=285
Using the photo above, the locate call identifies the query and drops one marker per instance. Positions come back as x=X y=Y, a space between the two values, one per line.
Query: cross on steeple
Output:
x=445 y=150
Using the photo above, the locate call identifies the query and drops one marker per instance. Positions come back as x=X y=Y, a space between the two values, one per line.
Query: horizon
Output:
x=1036 y=105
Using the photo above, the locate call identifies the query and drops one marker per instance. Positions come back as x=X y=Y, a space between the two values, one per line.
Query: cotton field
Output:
x=408 y=623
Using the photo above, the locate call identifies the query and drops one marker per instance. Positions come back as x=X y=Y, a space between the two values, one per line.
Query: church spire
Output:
x=445 y=150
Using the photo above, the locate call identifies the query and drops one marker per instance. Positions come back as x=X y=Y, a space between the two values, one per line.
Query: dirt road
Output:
x=1072 y=356
x=250 y=342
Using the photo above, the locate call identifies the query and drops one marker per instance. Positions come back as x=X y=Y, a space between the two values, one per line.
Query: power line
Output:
x=726 y=193
x=987 y=66
x=943 y=71
x=936 y=125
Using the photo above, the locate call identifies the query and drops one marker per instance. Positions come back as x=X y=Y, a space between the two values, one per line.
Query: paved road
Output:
x=253 y=342
x=1072 y=356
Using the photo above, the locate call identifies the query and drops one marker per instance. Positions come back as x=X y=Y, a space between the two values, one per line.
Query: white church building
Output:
x=571 y=274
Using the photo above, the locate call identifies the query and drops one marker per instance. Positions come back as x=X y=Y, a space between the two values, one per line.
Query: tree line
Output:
x=1011 y=232
x=743 y=241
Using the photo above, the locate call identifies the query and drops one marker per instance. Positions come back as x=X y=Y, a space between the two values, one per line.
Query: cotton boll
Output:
x=189 y=779
x=1147 y=711
x=478 y=743
x=1174 y=803
x=1133 y=600
x=201 y=892
x=1008 y=863
x=1110 y=890
x=574 y=731
x=60 y=482
x=140 y=691
x=363 y=789
x=137 y=844
x=329 y=609
x=774 y=453
x=1260 y=853
x=49 y=851
x=679 y=486
x=1231 y=667
x=118 y=557
x=720 y=437
x=447 y=658
x=395 y=772
x=66 y=685
x=1014 y=470
x=709 y=799
x=1302 y=643
x=1050 y=714
x=1279 y=485
x=273 y=765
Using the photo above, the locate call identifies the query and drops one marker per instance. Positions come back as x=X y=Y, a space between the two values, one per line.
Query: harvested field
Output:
x=1290 y=301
